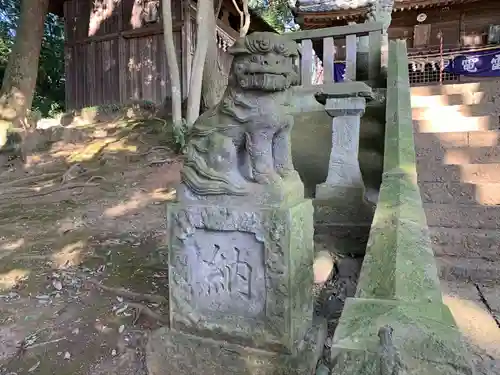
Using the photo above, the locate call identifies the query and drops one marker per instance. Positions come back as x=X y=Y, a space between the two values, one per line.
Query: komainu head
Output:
x=264 y=61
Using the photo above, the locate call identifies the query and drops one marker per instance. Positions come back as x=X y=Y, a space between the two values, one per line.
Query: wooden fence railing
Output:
x=327 y=37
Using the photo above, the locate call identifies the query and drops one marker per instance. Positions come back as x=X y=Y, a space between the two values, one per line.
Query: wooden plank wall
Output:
x=462 y=25
x=117 y=61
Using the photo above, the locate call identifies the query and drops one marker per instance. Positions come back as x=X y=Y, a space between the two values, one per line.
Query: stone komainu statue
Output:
x=245 y=139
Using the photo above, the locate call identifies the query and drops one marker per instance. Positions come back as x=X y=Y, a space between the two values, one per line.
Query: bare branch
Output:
x=246 y=24
x=244 y=17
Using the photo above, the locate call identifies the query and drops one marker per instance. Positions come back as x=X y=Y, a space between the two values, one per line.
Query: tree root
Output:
x=30 y=179
x=152 y=149
x=47 y=191
x=161 y=161
x=88 y=183
x=144 y=310
x=121 y=292
x=73 y=172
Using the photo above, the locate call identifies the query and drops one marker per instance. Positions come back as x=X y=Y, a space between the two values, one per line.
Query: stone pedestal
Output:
x=240 y=285
x=340 y=204
x=344 y=181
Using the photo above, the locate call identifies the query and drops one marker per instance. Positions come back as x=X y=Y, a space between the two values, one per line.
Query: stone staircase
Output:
x=457 y=140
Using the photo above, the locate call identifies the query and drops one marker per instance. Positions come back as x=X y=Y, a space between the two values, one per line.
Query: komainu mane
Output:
x=245 y=139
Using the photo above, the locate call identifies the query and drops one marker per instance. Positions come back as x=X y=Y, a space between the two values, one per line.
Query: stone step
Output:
x=428 y=141
x=452 y=89
x=462 y=216
x=460 y=155
x=470 y=243
x=456 y=123
x=432 y=171
x=451 y=112
x=438 y=100
x=473 y=270
x=460 y=193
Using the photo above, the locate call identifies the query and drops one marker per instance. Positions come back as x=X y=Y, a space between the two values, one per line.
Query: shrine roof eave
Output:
x=313 y=10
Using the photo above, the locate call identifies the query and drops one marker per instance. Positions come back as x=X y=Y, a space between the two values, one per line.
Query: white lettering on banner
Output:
x=495 y=62
x=469 y=64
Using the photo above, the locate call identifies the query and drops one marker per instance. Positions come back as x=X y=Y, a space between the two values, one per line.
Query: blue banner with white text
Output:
x=479 y=64
x=338 y=72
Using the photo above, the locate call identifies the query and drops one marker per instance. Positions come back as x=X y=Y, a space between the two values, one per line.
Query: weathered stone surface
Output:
x=466 y=243
x=242 y=145
x=349 y=239
x=465 y=124
x=443 y=141
x=241 y=273
x=344 y=175
x=460 y=193
x=424 y=340
x=459 y=111
x=341 y=198
x=342 y=211
x=464 y=155
x=473 y=216
x=472 y=316
x=398 y=295
x=475 y=270
x=431 y=171
x=311 y=139
x=170 y=352
x=399 y=263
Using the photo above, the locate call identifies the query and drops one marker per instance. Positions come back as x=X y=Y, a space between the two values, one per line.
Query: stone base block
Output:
x=346 y=239
x=170 y=352
x=424 y=340
x=242 y=273
x=345 y=195
x=328 y=211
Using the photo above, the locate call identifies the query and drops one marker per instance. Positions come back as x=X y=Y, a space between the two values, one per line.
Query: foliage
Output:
x=276 y=13
x=49 y=93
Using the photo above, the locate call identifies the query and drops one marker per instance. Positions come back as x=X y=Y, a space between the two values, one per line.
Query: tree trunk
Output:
x=205 y=11
x=19 y=82
x=214 y=79
x=173 y=65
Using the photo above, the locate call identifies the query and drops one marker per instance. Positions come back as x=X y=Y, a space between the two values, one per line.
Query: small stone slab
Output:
x=343 y=90
x=171 y=352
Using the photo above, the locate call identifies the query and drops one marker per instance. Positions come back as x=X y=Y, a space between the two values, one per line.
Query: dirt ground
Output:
x=83 y=213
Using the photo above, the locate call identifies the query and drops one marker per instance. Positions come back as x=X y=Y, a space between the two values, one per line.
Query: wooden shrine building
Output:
x=436 y=31
x=114 y=49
